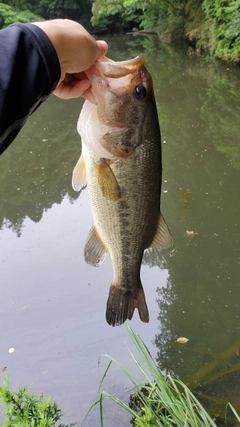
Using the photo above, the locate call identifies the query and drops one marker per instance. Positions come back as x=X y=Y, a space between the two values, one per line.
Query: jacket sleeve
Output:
x=29 y=72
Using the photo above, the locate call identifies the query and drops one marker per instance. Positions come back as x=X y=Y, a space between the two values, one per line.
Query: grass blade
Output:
x=163 y=400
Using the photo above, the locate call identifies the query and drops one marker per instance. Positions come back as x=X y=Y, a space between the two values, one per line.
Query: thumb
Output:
x=103 y=47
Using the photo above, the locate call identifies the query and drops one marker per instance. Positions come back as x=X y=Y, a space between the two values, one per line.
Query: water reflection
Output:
x=42 y=159
x=198 y=104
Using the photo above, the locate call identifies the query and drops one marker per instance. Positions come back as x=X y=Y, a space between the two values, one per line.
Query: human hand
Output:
x=77 y=50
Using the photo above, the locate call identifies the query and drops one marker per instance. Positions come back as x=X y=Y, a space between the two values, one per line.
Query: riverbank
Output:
x=208 y=27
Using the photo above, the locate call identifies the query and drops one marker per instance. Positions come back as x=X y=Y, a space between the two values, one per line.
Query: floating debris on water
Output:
x=182 y=340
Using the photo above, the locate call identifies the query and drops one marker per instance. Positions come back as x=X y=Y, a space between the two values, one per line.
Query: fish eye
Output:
x=140 y=92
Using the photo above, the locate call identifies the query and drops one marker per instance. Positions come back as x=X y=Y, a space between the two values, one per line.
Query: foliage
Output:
x=58 y=8
x=104 y=25
x=149 y=14
x=124 y=16
x=23 y=409
x=163 y=400
x=9 y=15
x=72 y=9
x=79 y=10
x=209 y=25
x=225 y=18
x=19 y=5
x=129 y=13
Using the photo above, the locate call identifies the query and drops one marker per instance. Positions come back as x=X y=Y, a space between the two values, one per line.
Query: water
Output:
x=52 y=303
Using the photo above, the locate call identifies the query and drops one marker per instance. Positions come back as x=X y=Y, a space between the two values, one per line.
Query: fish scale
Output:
x=124 y=188
x=127 y=226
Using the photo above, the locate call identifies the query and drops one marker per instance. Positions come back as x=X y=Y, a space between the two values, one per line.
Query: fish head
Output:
x=124 y=95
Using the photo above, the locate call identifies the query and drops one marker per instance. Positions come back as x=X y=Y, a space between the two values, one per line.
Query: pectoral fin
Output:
x=163 y=238
x=107 y=181
x=79 y=178
x=94 y=252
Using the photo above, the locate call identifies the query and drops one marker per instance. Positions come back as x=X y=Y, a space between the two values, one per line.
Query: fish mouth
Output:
x=115 y=77
x=112 y=69
x=110 y=81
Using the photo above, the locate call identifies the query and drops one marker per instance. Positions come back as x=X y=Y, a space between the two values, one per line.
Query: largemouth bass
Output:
x=121 y=166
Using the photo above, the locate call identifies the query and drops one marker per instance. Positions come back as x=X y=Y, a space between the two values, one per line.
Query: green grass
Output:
x=157 y=400
x=24 y=409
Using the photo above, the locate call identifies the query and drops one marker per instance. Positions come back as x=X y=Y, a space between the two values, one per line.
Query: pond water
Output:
x=52 y=303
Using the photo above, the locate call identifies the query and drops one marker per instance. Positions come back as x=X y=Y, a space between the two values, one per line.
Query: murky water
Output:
x=52 y=303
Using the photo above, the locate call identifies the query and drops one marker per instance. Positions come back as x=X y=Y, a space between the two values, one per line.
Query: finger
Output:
x=73 y=90
x=89 y=96
x=103 y=47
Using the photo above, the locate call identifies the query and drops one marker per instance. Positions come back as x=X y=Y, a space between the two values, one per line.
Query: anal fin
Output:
x=163 y=238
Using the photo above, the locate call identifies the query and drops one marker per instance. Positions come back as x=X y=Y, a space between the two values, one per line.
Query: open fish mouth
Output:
x=117 y=76
x=121 y=92
x=112 y=69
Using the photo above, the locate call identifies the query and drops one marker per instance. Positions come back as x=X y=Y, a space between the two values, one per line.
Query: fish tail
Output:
x=122 y=302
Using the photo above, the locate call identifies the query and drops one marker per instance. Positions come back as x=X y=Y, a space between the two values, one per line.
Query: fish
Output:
x=121 y=166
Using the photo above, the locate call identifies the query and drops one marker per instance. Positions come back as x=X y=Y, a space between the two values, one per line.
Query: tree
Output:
x=225 y=19
x=59 y=8
x=126 y=12
x=8 y=15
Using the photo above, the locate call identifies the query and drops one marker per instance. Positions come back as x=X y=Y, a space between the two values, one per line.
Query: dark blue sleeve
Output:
x=29 y=72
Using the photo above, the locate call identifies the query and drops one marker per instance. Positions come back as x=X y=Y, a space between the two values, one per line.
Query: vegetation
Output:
x=23 y=409
x=8 y=15
x=225 y=28
x=211 y=26
x=157 y=400
x=207 y=25
x=30 y=10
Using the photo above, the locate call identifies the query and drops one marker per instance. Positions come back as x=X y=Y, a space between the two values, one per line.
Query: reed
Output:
x=156 y=400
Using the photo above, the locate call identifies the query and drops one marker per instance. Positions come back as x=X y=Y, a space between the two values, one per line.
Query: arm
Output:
x=27 y=56
x=37 y=59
